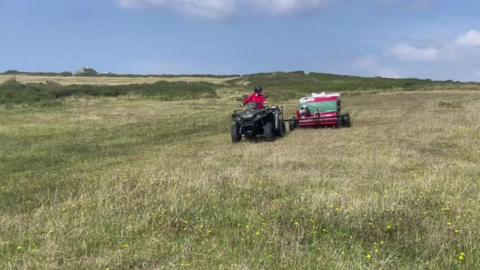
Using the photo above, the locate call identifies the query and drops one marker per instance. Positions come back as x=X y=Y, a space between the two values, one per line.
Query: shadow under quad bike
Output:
x=252 y=123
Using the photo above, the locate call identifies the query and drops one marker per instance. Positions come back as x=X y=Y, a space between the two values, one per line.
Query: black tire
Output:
x=346 y=122
x=292 y=125
x=268 y=131
x=236 y=136
x=339 y=123
x=281 y=130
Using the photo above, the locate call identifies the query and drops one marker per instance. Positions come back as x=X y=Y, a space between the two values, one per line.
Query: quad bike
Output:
x=253 y=122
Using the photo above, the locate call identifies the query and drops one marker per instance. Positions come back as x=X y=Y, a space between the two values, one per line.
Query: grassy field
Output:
x=131 y=182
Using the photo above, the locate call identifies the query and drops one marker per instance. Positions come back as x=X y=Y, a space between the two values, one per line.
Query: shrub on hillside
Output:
x=86 y=71
x=12 y=71
x=66 y=74
x=16 y=92
x=285 y=85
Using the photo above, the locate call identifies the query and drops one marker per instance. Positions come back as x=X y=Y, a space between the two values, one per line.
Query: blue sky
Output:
x=435 y=39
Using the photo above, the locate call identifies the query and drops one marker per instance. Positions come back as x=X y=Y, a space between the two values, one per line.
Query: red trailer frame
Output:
x=304 y=118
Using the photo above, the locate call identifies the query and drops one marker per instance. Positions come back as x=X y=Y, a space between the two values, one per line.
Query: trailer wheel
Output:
x=236 y=136
x=268 y=131
x=346 y=122
x=292 y=125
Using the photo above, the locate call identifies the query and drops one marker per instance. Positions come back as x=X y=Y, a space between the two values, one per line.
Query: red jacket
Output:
x=256 y=98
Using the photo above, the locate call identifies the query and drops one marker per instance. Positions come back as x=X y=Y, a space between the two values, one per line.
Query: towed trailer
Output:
x=320 y=110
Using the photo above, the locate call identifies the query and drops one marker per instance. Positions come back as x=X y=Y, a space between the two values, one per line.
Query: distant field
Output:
x=136 y=183
x=107 y=80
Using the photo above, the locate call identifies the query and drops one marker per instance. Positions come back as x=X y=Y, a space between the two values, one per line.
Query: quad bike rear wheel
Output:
x=281 y=130
x=268 y=131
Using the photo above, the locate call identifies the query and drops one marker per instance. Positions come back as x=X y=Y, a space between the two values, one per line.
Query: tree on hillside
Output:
x=12 y=71
x=86 y=71
x=66 y=74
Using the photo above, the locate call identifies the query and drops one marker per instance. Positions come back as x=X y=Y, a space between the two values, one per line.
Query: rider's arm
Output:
x=248 y=100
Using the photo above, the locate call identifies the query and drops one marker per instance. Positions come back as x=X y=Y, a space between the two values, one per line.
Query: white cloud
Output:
x=418 y=5
x=208 y=9
x=370 y=65
x=286 y=7
x=366 y=62
x=471 y=38
x=451 y=59
x=465 y=48
x=223 y=9
x=405 y=52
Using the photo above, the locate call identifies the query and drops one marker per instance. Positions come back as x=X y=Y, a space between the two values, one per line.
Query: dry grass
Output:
x=131 y=183
x=107 y=80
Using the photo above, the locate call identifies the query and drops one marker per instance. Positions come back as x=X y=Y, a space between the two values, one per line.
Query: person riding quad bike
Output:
x=257 y=97
x=257 y=120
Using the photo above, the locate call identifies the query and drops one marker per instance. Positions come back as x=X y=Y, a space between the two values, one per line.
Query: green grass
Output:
x=13 y=92
x=132 y=182
x=280 y=86
x=289 y=85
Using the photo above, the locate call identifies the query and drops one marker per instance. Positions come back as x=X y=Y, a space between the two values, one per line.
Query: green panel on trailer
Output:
x=320 y=106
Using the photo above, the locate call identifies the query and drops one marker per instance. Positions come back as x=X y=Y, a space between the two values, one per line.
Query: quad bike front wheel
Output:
x=236 y=135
